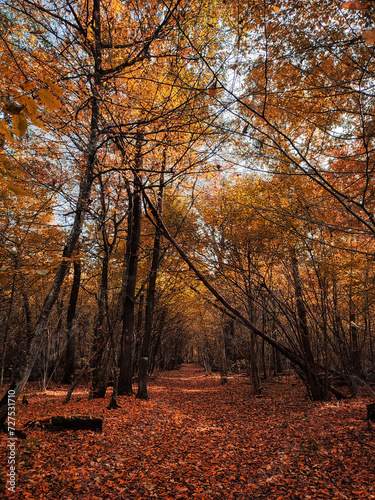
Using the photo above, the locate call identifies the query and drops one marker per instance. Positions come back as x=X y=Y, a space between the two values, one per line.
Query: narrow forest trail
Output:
x=198 y=439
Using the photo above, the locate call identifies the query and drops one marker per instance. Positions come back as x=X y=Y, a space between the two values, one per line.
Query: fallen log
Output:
x=68 y=423
x=371 y=412
x=15 y=432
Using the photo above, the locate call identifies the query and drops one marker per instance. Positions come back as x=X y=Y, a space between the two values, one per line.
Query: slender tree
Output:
x=150 y=297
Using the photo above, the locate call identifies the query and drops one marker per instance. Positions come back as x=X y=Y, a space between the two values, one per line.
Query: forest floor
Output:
x=196 y=439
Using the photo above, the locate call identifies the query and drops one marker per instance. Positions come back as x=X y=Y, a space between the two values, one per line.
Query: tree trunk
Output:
x=309 y=373
x=253 y=345
x=254 y=364
x=150 y=298
x=100 y=372
x=69 y=365
x=156 y=342
x=28 y=317
x=128 y=317
x=105 y=328
x=367 y=316
x=356 y=364
x=99 y=369
x=138 y=334
x=7 y=326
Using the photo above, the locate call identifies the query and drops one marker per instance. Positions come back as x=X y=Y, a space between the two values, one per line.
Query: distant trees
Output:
x=283 y=268
x=298 y=87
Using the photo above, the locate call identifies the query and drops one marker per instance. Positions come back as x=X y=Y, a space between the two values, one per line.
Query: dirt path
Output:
x=198 y=439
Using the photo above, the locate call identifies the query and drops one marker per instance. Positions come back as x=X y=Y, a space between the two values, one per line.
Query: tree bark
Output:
x=150 y=298
x=28 y=317
x=99 y=369
x=7 y=325
x=356 y=364
x=128 y=316
x=254 y=364
x=316 y=386
x=69 y=366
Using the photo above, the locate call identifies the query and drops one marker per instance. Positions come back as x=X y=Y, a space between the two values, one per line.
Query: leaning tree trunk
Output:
x=298 y=361
x=24 y=369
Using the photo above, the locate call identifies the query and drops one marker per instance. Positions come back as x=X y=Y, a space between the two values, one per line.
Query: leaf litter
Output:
x=198 y=439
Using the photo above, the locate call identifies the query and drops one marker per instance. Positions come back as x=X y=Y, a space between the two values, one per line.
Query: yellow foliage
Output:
x=31 y=106
x=49 y=100
x=18 y=190
x=4 y=129
x=19 y=125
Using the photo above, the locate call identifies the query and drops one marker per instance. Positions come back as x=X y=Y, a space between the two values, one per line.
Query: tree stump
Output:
x=68 y=423
x=371 y=412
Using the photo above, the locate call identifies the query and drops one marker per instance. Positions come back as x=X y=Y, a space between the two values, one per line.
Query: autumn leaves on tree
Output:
x=186 y=180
